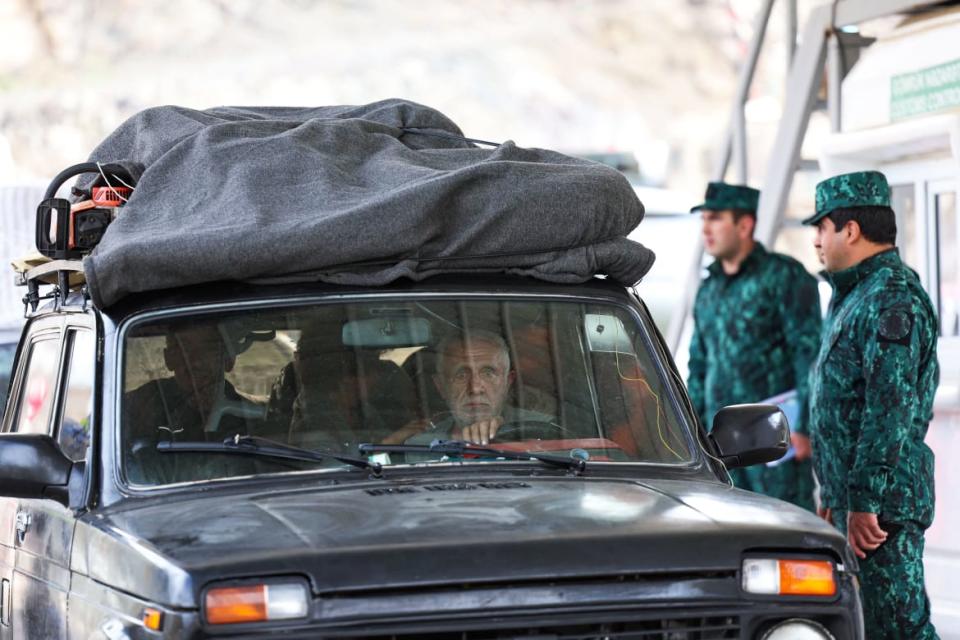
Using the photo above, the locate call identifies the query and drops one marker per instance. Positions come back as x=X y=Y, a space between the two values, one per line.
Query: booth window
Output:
x=948 y=266
x=903 y=200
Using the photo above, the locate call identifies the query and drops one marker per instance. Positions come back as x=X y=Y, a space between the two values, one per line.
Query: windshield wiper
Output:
x=257 y=446
x=460 y=447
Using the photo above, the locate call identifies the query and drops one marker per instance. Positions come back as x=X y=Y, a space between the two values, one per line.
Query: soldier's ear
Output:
x=852 y=231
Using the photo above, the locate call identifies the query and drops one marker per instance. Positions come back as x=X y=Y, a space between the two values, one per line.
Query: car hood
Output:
x=432 y=532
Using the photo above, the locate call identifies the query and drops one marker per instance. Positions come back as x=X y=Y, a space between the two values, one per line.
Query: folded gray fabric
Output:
x=352 y=195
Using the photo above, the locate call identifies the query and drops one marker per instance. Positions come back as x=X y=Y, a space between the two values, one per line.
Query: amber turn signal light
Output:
x=807 y=578
x=255 y=603
x=152 y=619
x=772 y=576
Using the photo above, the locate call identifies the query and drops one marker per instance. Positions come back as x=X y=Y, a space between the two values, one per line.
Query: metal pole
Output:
x=802 y=87
x=791 y=9
x=740 y=140
x=835 y=73
x=743 y=87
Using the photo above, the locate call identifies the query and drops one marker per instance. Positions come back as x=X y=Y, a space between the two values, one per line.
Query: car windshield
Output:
x=559 y=378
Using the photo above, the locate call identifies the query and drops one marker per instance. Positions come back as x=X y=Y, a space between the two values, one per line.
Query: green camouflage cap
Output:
x=857 y=189
x=721 y=196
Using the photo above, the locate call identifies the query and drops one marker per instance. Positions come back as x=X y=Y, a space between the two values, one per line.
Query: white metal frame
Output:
x=933 y=189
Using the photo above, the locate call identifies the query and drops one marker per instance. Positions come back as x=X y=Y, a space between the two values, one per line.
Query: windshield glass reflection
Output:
x=562 y=378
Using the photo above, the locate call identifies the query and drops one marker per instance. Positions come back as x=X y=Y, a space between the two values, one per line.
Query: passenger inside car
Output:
x=333 y=397
x=194 y=403
x=181 y=404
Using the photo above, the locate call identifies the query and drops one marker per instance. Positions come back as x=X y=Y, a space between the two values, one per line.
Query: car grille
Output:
x=673 y=628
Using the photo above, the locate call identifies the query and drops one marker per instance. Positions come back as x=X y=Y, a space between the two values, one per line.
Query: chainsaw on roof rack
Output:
x=69 y=230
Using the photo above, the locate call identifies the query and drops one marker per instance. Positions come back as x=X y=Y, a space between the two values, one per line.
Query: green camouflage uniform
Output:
x=756 y=335
x=871 y=401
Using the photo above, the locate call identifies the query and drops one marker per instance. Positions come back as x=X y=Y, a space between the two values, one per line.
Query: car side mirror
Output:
x=33 y=466
x=748 y=434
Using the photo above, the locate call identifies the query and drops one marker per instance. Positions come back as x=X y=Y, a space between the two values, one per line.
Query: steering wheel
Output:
x=145 y=464
x=520 y=430
x=240 y=408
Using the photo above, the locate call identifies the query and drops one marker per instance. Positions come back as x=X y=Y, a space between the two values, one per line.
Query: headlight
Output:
x=256 y=603
x=770 y=576
x=798 y=629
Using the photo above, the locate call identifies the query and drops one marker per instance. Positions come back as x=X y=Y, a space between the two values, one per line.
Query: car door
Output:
x=43 y=553
x=32 y=402
x=56 y=397
x=43 y=549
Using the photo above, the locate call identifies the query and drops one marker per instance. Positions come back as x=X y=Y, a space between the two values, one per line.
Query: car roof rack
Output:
x=36 y=270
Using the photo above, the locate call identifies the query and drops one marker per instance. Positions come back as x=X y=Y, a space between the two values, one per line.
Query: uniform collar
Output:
x=844 y=281
x=754 y=258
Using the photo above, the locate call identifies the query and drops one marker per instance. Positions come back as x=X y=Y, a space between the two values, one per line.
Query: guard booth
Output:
x=900 y=114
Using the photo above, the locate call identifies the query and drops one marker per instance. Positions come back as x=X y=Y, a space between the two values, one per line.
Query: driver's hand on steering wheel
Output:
x=480 y=432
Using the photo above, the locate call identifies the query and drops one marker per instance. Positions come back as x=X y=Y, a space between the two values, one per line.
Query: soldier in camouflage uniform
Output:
x=871 y=401
x=756 y=332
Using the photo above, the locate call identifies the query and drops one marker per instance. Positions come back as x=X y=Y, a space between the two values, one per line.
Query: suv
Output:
x=463 y=457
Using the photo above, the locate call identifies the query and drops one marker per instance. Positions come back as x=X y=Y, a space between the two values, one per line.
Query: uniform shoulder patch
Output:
x=895 y=326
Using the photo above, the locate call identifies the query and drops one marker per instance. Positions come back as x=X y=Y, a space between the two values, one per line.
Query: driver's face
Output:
x=474 y=380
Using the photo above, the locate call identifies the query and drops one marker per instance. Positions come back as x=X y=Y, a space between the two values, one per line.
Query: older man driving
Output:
x=473 y=375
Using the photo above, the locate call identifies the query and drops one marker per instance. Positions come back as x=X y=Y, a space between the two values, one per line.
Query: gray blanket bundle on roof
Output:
x=351 y=195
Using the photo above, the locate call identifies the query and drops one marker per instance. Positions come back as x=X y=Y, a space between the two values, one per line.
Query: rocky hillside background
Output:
x=650 y=77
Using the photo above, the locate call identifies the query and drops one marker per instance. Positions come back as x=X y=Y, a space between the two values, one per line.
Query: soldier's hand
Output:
x=826 y=513
x=864 y=532
x=481 y=431
x=801 y=446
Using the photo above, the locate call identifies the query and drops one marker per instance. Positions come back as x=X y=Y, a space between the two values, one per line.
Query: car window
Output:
x=7 y=353
x=74 y=432
x=560 y=377
x=39 y=386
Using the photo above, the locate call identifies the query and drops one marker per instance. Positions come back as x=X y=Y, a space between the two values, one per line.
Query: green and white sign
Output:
x=925 y=91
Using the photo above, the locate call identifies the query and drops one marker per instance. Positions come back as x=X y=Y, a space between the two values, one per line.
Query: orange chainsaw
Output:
x=69 y=230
